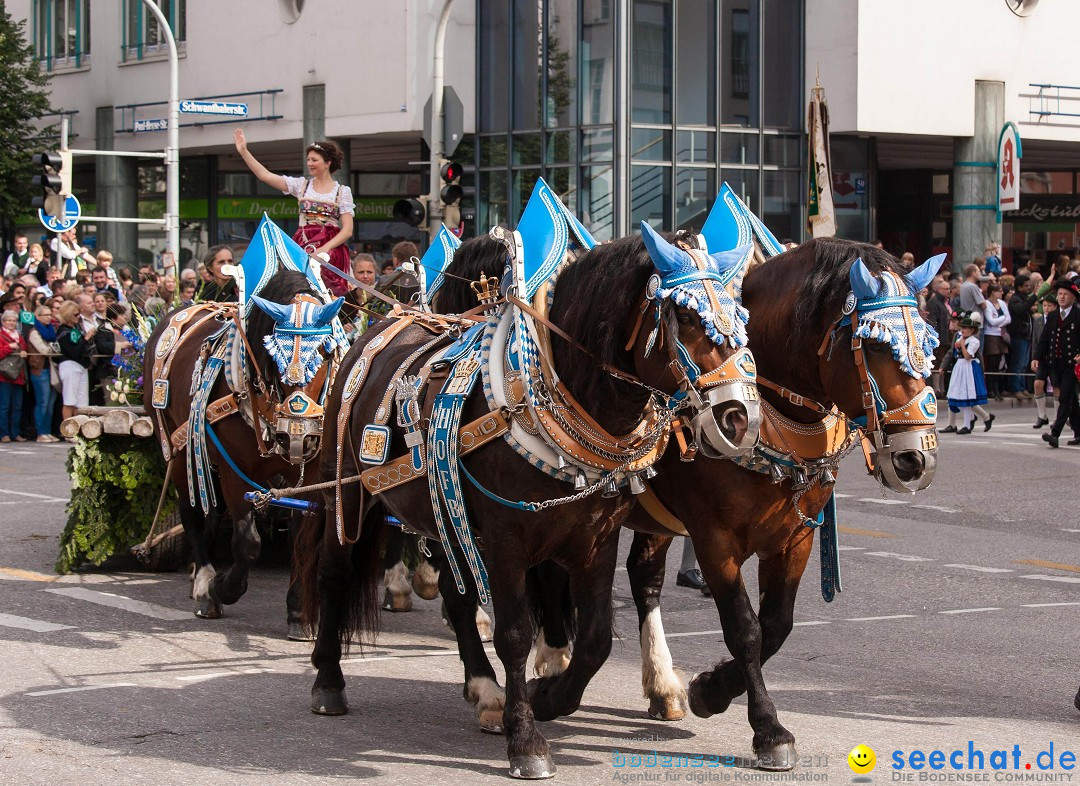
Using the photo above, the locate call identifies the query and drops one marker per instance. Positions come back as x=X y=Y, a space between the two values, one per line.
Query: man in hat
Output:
x=1059 y=351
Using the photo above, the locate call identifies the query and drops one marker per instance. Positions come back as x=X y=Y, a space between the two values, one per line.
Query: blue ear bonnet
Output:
x=311 y=323
x=435 y=261
x=880 y=307
x=707 y=284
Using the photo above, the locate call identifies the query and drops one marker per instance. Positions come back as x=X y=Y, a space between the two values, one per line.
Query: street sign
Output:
x=453 y=121
x=72 y=211
x=213 y=108
x=152 y=124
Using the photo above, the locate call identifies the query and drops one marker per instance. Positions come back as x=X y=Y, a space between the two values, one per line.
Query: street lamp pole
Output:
x=435 y=214
x=172 y=150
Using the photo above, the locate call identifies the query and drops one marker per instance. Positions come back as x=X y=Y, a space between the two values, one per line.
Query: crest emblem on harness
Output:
x=849 y=303
x=375 y=444
x=168 y=339
x=298 y=404
x=160 y=397
x=458 y=384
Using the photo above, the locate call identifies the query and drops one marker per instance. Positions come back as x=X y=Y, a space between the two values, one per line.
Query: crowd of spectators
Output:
x=993 y=321
x=64 y=310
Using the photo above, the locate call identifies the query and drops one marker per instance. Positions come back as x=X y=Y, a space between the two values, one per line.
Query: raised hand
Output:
x=240 y=141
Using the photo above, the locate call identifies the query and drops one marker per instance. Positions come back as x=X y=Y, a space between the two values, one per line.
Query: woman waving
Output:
x=326 y=206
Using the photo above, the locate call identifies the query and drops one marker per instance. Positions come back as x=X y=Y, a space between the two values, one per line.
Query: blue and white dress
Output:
x=967 y=387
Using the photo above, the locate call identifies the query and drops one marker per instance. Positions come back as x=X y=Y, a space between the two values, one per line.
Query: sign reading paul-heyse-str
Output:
x=193 y=107
x=72 y=212
x=150 y=124
x=1008 y=169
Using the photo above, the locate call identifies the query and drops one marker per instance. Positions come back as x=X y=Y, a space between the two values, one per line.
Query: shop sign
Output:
x=1046 y=209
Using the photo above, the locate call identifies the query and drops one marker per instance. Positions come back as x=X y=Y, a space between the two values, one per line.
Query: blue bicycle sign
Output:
x=72 y=211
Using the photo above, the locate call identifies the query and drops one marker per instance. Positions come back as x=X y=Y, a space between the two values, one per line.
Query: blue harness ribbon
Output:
x=828 y=550
x=444 y=479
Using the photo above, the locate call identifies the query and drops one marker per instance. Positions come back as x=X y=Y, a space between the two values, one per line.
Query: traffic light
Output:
x=51 y=182
x=451 y=173
x=411 y=211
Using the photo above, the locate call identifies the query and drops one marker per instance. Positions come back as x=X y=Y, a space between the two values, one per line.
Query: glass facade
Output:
x=712 y=92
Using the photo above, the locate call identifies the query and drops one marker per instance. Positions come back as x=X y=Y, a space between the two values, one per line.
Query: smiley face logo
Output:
x=861 y=759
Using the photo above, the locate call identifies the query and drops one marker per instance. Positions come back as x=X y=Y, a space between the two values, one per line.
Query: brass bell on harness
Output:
x=650 y=473
x=637 y=485
x=798 y=476
x=581 y=482
x=611 y=489
x=777 y=472
x=828 y=478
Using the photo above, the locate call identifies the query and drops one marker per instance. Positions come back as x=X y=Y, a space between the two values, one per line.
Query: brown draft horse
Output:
x=211 y=589
x=597 y=303
x=731 y=512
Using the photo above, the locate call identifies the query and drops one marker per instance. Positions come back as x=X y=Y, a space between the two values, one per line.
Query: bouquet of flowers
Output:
x=127 y=386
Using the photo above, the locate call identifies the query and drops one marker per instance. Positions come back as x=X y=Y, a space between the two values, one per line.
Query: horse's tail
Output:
x=360 y=612
x=547 y=589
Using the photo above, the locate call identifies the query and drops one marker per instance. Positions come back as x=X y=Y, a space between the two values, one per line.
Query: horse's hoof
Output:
x=208 y=609
x=328 y=702
x=532 y=767
x=667 y=708
x=425 y=581
x=776 y=758
x=491 y=721
x=696 y=700
x=298 y=632
x=400 y=602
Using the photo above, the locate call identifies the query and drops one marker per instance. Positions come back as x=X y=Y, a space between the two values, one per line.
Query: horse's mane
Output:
x=826 y=285
x=595 y=298
x=482 y=254
x=281 y=288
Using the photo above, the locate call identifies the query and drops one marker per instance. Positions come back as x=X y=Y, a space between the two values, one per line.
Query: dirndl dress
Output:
x=967 y=386
x=320 y=220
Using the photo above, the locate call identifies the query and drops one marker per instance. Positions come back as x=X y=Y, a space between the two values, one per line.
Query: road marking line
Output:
x=26 y=575
x=695 y=633
x=936 y=507
x=25 y=623
x=812 y=622
x=1047 y=605
x=77 y=690
x=886 y=617
x=980 y=568
x=1063 y=579
x=444 y=653
x=34 y=496
x=1039 y=563
x=1070 y=530
x=903 y=557
x=969 y=611
x=123 y=603
x=870 y=533
x=838 y=495
x=876 y=501
x=201 y=677
x=851 y=548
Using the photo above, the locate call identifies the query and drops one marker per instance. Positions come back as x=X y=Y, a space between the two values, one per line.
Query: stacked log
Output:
x=92 y=422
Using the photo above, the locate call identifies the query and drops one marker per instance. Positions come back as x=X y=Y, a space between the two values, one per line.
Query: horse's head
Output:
x=891 y=357
x=295 y=370
x=692 y=328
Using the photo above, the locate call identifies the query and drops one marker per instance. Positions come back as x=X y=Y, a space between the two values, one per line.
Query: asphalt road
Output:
x=958 y=627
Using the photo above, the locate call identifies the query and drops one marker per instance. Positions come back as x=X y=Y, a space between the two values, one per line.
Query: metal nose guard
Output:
x=883 y=447
x=733 y=383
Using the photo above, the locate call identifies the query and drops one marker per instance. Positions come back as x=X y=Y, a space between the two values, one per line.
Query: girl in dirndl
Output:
x=326 y=206
x=967 y=387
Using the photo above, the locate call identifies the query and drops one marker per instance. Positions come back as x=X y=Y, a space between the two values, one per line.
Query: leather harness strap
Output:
x=659 y=512
x=215 y=411
x=472 y=436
